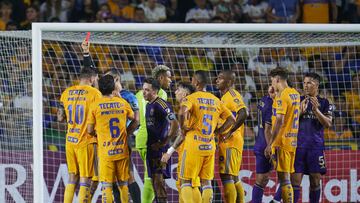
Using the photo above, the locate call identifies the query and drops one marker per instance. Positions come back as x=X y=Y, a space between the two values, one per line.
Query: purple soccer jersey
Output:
x=311 y=131
x=264 y=116
x=158 y=116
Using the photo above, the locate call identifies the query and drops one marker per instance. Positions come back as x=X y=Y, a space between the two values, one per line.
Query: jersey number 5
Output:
x=207 y=125
x=114 y=129
x=79 y=114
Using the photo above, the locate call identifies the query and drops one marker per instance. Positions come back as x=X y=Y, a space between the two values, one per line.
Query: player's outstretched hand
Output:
x=165 y=157
x=85 y=45
x=267 y=151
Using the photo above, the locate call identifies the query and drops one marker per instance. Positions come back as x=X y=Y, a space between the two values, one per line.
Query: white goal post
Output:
x=39 y=28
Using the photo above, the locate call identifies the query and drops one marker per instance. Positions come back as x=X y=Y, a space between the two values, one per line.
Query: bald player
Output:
x=231 y=147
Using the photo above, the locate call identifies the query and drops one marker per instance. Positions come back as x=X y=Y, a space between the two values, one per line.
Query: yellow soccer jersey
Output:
x=205 y=110
x=288 y=104
x=76 y=101
x=234 y=102
x=109 y=115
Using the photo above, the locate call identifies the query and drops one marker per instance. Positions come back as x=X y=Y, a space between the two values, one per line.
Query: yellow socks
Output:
x=69 y=192
x=124 y=192
x=207 y=194
x=196 y=194
x=107 y=196
x=240 y=192
x=187 y=193
x=84 y=192
x=287 y=193
x=230 y=191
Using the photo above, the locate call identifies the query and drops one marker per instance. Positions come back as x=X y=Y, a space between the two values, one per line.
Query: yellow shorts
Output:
x=195 y=182
x=283 y=161
x=193 y=167
x=229 y=161
x=80 y=161
x=113 y=171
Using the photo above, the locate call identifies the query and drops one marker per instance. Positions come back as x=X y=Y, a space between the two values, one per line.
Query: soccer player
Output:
x=203 y=109
x=108 y=116
x=80 y=146
x=230 y=149
x=263 y=164
x=315 y=115
x=131 y=99
x=183 y=89
x=285 y=125
x=162 y=126
x=162 y=74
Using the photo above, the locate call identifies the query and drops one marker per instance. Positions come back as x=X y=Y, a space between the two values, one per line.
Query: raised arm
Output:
x=85 y=45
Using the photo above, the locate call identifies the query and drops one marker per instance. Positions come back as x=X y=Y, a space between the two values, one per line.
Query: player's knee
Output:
x=73 y=178
x=283 y=177
x=296 y=179
x=315 y=180
x=185 y=182
x=131 y=178
x=262 y=180
x=205 y=182
x=85 y=180
x=225 y=177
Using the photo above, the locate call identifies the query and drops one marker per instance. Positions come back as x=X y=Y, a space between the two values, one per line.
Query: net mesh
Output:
x=335 y=56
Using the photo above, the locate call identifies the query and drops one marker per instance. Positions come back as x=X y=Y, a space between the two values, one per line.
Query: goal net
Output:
x=251 y=55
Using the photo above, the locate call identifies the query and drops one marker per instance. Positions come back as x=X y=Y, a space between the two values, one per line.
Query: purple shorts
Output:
x=155 y=166
x=309 y=161
x=263 y=164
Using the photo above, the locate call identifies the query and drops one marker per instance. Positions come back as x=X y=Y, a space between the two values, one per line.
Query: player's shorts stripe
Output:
x=183 y=164
x=228 y=159
x=96 y=161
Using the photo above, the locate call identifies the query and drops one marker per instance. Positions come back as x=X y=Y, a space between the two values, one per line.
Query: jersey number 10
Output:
x=79 y=114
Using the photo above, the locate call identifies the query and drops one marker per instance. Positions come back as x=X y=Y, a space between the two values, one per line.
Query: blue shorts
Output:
x=263 y=164
x=155 y=166
x=309 y=161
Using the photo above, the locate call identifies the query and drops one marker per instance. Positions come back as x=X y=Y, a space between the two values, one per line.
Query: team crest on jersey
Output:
x=279 y=102
x=151 y=112
x=237 y=101
x=167 y=110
